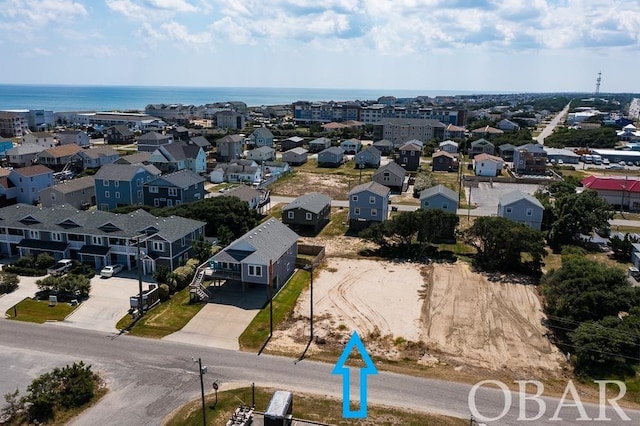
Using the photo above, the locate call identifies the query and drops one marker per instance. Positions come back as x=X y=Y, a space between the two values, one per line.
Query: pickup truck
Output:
x=61 y=267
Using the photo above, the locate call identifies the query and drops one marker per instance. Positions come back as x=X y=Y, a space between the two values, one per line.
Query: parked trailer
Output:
x=279 y=412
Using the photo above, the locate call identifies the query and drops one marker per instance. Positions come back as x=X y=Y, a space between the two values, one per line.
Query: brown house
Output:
x=444 y=162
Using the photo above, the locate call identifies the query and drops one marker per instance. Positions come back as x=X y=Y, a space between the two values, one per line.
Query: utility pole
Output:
x=140 y=299
x=469 y=204
x=310 y=268
x=202 y=371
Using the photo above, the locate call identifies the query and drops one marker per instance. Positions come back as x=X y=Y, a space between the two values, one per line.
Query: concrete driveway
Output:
x=107 y=303
x=220 y=323
x=26 y=288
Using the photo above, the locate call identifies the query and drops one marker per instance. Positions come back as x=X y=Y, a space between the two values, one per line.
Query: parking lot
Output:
x=486 y=195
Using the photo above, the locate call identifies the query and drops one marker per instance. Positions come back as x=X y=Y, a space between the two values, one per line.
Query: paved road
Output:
x=150 y=378
x=552 y=125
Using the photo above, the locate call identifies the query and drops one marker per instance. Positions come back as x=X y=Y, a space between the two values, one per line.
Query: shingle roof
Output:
x=481 y=142
x=298 y=151
x=443 y=154
x=374 y=187
x=230 y=139
x=517 y=195
x=62 y=150
x=393 y=168
x=244 y=193
x=487 y=157
x=383 y=142
x=122 y=129
x=336 y=150
x=137 y=158
x=411 y=122
x=313 y=202
x=200 y=141
x=181 y=179
x=264 y=243
x=36 y=170
x=74 y=185
x=263 y=132
x=370 y=150
x=154 y=136
x=264 y=149
x=24 y=149
x=410 y=146
x=439 y=189
x=123 y=172
x=92 y=222
x=98 y=151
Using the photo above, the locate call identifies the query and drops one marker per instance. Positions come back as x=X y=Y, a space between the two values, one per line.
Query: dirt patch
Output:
x=489 y=323
x=437 y=314
x=336 y=187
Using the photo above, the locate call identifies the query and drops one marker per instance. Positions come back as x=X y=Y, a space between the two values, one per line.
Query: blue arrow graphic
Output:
x=341 y=368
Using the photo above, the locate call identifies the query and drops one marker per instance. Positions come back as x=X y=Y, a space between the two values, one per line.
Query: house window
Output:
x=105 y=183
x=508 y=210
x=34 y=235
x=158 y=246
x=288 y=266
x=173 y=192
x=356 y=211
x=425 y=203
x=374 y=212
x=116 y=183
x=153 y=189
x=354 y=198
x=372 y=200
x=169 y=203
x=290 y=215
x=386 y=177
x=107 y=194
x=156 y=202
x=309 y=216
x=117 y=195
x=183 y=241
x=529 y=212
x=139 y=194
x=445 y=206
x=96 y=241
x=56 y=236
x=255 y=270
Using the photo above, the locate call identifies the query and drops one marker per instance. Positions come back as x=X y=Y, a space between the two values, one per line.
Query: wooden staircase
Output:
x=197 y=290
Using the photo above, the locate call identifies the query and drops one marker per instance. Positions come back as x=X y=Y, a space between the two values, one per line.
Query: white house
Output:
x=449 y=146
x=487 y=165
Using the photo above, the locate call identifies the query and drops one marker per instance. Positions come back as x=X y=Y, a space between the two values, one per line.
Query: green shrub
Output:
x=163 y=292
x=8 y=282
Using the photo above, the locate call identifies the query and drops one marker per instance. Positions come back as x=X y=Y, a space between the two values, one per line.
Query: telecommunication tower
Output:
x=598 y=80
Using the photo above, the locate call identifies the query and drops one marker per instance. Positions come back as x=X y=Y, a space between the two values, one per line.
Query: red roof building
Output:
x=617 y=191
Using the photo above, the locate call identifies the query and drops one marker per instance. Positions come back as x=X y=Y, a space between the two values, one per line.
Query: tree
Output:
x=586 y=290
x=201 y=249
x=622 y=247
x=436 y=226
x=501 y=242
x=598 y=349
x=8 y=282
x=577 y=214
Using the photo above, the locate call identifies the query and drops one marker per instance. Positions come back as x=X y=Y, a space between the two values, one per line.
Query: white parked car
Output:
x=110 y=271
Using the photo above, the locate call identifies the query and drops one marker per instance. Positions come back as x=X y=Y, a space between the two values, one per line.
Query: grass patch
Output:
x=254 y=336
x=39 y=311
x=346 y=169
x=448 y=179
x=305 y=406
x=166 y=318
x=338 y=224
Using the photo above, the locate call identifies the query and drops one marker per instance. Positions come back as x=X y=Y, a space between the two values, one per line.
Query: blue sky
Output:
x=484 y=45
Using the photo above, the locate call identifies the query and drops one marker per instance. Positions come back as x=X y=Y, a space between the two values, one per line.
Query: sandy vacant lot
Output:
x=459 y=316
x=488 y=324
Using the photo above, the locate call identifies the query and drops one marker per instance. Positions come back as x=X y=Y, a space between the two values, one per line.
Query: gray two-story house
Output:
x=309 y=212
x=265 y=255
x=393 y=176
x=121 y=184
x=368 y=203
x=174 y=189
x=98 y=238
x=522 y=208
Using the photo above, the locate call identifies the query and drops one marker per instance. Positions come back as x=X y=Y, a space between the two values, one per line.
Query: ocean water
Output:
x=109 y=98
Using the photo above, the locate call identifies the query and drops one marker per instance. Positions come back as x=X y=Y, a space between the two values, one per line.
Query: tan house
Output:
x=79 y=193
x=58 y=157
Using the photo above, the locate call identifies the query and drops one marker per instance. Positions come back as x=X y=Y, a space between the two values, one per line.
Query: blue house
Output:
x=266 y=254
x=351 y=146
x=261 y=137
x=368 y=203
x=439 y=197
x=122 y=184
x=521 y=208
x=174 y=189
x=29 y=181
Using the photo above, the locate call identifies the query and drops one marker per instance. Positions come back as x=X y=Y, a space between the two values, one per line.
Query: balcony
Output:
x=226 y=274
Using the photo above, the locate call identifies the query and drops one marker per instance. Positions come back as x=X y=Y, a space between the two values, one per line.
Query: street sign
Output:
x=215 y=385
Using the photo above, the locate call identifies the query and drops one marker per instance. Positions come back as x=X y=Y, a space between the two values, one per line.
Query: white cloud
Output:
x=127 y=8
x=173 y=31
x=173 y=5
x=41 y=52
x=39 y=13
